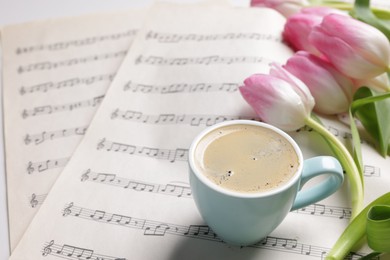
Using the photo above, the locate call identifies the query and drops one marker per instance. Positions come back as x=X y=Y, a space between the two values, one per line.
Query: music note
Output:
x=180 y=155
x=132 y=114
x=174 y=190
x=199 y=230
x=371 y=171
x=98 y=214
x=102 y=177
x=306 y=249
x=318 y=207
x=334 y=131
x=196 y=120
x=119 y=219
x=291 y=243
x=43 y=166
x=78 y=252
x=165 y=118
x=150 y=152
x=345 y=214
x=158 y=230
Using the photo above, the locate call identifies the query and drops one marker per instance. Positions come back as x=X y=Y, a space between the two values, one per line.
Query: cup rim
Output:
x=200 y=176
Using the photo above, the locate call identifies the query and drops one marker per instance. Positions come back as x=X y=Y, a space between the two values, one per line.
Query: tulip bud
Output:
x=321 y=11
x=284 y=7
x=356 y=49
x=380 y=83
x=331 y=90
x=279 y=99
x=298 y=27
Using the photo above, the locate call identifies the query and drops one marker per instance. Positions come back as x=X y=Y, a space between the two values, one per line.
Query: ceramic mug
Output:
x=242 y=219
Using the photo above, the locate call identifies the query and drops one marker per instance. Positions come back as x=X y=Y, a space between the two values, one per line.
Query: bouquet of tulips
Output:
x=341 y=65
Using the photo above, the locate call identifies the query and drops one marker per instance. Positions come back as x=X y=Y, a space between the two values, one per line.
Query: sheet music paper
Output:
x=125 y=194
x=56 y=73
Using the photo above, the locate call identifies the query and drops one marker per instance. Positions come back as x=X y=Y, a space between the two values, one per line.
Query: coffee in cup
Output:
x=245 y=177
x=232 y=157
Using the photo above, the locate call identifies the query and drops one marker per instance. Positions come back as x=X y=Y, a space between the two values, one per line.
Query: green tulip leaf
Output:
x=373 y=111
x=363 y=13
x=356 y=230
x=378 y=228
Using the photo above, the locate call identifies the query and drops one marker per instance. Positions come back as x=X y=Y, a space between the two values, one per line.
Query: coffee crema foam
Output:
x=246 y=158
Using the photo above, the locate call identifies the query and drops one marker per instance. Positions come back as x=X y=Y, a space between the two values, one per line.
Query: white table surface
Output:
x=20 y=11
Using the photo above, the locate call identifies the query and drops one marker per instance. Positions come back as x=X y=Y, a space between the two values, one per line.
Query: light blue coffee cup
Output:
x=246 y=218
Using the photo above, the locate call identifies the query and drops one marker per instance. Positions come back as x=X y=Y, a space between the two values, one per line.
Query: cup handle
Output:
x=314 y=167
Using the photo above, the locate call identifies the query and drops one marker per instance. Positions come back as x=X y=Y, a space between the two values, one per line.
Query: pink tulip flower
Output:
x=284 y=7
x=321 y=11
x=279 y=99
x=380 y=83
x=298 y=27
x=356 y=49
x=331 y=90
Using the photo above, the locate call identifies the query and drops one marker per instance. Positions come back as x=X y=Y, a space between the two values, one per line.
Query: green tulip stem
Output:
x=348 y=164
x=379 y=12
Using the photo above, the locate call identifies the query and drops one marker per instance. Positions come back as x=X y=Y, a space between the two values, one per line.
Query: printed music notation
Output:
x=344 y=135
x=207 y=60
x=181 y=87
x=171 y=189
x=68 y=83
x=326 y=211
x=156 y=228
x=371 y=171
x=171 y=155
x=49 y=109
x=368 y=170
x=193 y=120
x=35 y=167
x=73 y=252
x=48 y=136
x=36 y=200
x=48 y=65
x=175 y=38
x=185 y=192
x=56 y=46
x=336 y=132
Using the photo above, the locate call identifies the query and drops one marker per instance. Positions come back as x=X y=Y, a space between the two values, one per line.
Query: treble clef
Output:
x=25 y=114
x=27 y=140
x=101 y=144
x=30 y=168
x=47 y=249
x=22 y=91
x=85 y=176
x=33 y=201
x=68 y=210
x=115 y=114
